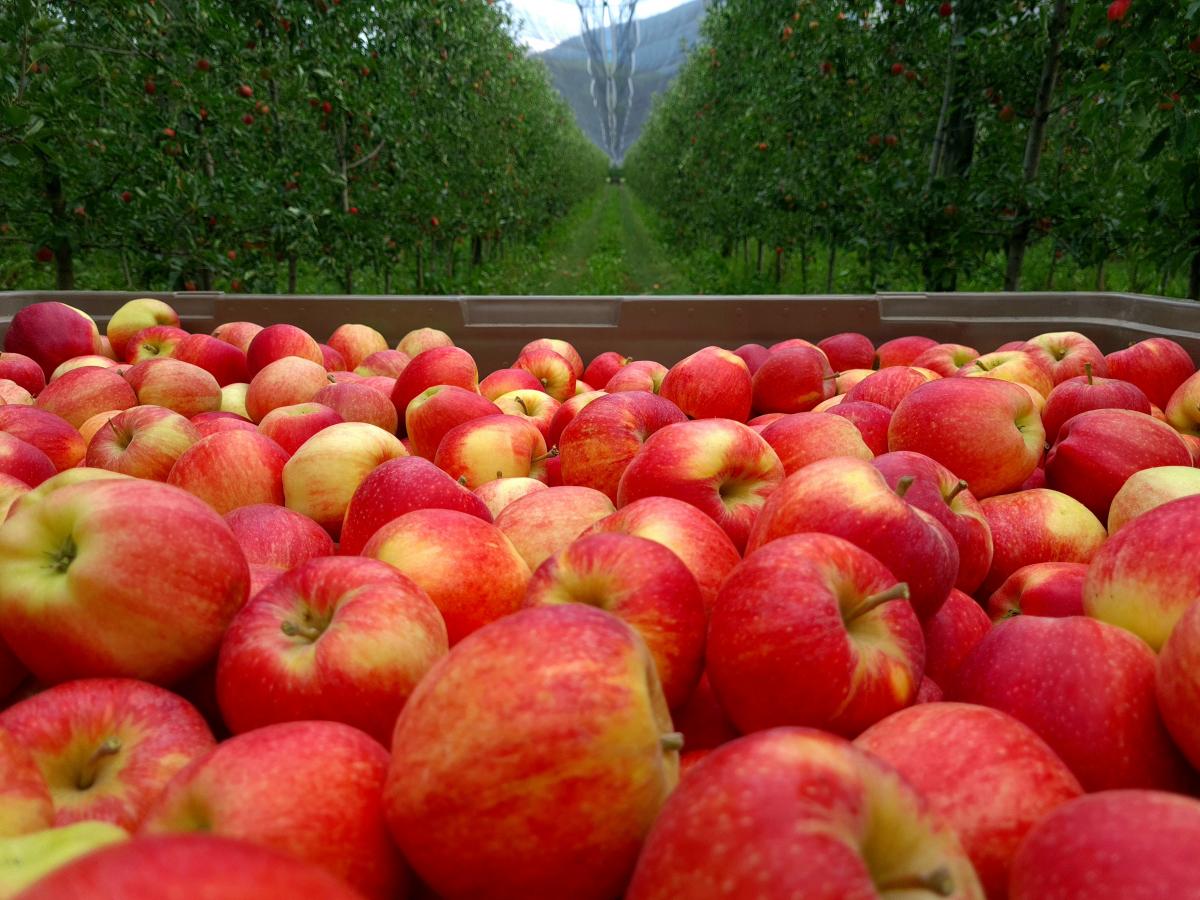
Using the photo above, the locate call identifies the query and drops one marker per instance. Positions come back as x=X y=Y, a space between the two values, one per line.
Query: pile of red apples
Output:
x=834 y=620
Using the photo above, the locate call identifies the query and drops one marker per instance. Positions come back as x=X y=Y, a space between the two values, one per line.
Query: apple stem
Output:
x=550 y=454
x=331 y=379
x=521 y=403
x=61 y=561
x=895 y=592
x=87 y=777
x=1087 y=368
x=939 y=882
x=462 y=479
x=981 y=366
x=904 y=484
x=293 y=629
x=956 y=490
x=671 y=742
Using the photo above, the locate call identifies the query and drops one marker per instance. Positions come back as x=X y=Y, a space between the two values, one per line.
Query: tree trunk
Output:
x=476 y=251
x=1194 y=277
x=804 y=266
x=759 y=259
x=420 y=269
x=778 y=269
x=1050 y=273
x=1101 y=271
x=831 y=266
x=64 y=265
x=291 y=288
x=1035 y=143
x=349 y=279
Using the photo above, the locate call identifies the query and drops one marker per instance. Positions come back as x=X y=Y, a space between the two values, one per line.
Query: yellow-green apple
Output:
x=356 y=342
x=80 y=394
x=939 y=492
x=278 y=537
x=848 y=350
x=1085 y=393
x=77 y=475
x=502 y=381
x=46 y=431
x=946 y=359
x=324 y=473
x=1178 y=683
x=188 y=867
x=691 y=535
x=144 y=442
x=491 y=447
x=605 y=436
x=223 y=361
x=339 y=638
x=802 y=438
x=419 y=340
x=400 y=486
x=1097 y=451
x=553 y=371
x=985 y=774
x=440 y=365
x=562 y=348
x=88 y=429
x=106 y=747
x=1157 y=365
x=1183 y=408
x=1134 y=843
x=357 y=403
x=843 y=383
x=871 y=420
x=565 y=704
x=639 y=375
x=332 y=359
x=951 y=634
x=1140 y=579
x=25 y=802
x=134 y=316
x=851 y=499
x=985 y=431
x=206 y=470
x=154 y=342
x=792 y=380
x=291 y=426
x=1087 y=689
x=541 y=524
x=24 y=371
x=66 y=615
x=1016 y=366
x=176 y=385
x=601 y=369
x=279 y=341
x=811 y=630
x=889 y=386
x=10 y=489
x=390 y=363
x=711 y=383
x=212 y=422
x=1038 y=525
x=311 y=790
x=535 y=407
x=642 y=583
x=901 y=351
x=1040 y=589
x=50 y=333
x=467 y=566
x=233 y=400
x=1150 y=489
x=82 y=362
x=29 y=858
x=566 y=413
x=284 y=382
x=825 y=820
x=23 y=461
x=1067 y=354
x=11 y=392
x=721 y=467
x=498 y=494
x=239 y=334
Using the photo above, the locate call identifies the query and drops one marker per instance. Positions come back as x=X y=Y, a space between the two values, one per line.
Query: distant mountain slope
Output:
x=662 y=44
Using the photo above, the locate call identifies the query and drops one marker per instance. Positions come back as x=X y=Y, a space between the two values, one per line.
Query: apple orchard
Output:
x=356 y=619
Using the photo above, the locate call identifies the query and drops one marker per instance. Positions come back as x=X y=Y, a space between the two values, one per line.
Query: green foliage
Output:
x=894 y=142
x=414 y=136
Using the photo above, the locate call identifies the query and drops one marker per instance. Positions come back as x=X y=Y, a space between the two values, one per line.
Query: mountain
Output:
x=645 y=53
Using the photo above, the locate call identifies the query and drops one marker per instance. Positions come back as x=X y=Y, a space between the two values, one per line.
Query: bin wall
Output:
x=668 y=328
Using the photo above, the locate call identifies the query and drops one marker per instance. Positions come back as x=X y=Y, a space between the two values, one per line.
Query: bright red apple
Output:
x=1040 y=589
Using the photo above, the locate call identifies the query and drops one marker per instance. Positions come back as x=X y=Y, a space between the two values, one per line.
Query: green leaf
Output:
x=1156 y=145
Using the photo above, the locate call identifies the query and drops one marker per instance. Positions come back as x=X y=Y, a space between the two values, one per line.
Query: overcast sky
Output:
x=551 y=21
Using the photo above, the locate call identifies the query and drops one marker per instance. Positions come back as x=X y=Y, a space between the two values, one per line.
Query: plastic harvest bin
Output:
x=666 y=328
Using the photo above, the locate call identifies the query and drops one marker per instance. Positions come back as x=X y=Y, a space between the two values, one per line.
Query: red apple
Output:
x=82 y=393
x=1112 y=844
x=383 y=362
x=753 y=355
x=134 y=316
x=535 y=407
x=639 y=375
x=107 y=746
x=1084 y=393
x=946 y=359
x=50 y=333
x=541 y=524
x=601 y=369
x=357 y=403
x=400 y=486
x=848 y=350
x=419 y=340
x=226 y=363
x=23 y=370
x=277 y=537
x=277 y=342
x=23 y=461
x=203 y=470
x=1040 y=589
x=504 y=380
x=871 y=420
x=987 y=433
x=985 y=774
x=11 y=392
x=441 y=365
x=492 y=447
x=26 y=806
x=160 y=619
x=712 y=383
x=175 y=385
x=1157 y=365
x=1087 y=689
x=239 y=334
x=498 y=494
x=212 y=422
x=562 y=348
x=144 y=442
x=356 y=342
x=802 y=438
x=522 y=693
x=951 y=634
x=46 y=431
x=824 y=820
x=82 y=362
x=566 y=413
x=437 y=410
x=331 y=359
x=792 y=380
x=1178 y=683
x=1067 y=354
x=11 y=488
x=889 y=386
x=901 y=351
x=291 y=426
x=155 y=342
x=310 y=790
x=284 y=382
x=554 y=372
